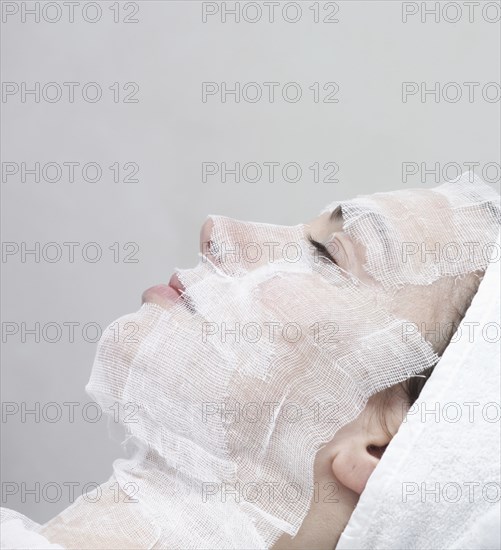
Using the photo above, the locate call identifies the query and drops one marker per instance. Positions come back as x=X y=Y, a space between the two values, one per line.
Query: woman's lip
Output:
x=161 y=295
x=176 y=284
x=164 y=294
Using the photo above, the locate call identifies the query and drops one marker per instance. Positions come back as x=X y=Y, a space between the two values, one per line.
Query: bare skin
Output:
x=344 y=465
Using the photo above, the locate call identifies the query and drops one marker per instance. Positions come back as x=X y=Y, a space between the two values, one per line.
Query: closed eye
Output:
x=322 y=249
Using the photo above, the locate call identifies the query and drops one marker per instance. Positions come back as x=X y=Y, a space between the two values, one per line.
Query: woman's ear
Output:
x=357 y=447
x=355 y=461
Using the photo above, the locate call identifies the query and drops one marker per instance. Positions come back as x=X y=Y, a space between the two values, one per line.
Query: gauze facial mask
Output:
x=417 y=236
x=272 y=349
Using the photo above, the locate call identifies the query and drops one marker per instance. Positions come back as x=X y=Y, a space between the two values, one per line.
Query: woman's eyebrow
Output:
x=336 y=215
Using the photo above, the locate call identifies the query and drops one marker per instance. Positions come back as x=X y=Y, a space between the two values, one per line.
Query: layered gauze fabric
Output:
x=231 y=390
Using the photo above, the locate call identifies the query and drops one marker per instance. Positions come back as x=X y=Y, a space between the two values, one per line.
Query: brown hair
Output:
x=412 y=388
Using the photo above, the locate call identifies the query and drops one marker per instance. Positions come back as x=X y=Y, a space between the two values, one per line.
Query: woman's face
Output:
x=336 y=247
x=340 y=257
x=245 y=366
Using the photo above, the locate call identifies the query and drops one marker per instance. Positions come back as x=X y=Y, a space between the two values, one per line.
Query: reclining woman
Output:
x=269 y=380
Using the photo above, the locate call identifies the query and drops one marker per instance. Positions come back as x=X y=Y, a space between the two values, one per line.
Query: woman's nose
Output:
x=205 y=235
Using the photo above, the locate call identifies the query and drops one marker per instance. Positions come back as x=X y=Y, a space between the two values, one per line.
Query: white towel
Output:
x=17 y=532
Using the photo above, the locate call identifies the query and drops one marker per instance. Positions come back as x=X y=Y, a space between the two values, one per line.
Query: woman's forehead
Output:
x=398 y=202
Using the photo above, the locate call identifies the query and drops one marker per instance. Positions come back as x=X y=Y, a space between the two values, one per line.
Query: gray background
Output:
x=169 y=133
